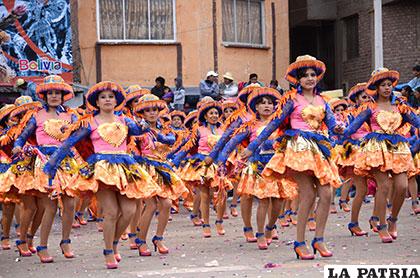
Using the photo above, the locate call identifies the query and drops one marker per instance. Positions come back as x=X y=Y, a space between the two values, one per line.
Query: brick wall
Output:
x=400 y=39
x=401 y=48
x=358 y=69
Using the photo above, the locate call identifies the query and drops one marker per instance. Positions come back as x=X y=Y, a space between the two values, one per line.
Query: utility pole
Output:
x=379 y=50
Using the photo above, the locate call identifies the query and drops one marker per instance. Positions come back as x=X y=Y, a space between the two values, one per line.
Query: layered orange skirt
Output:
x=384 y=156
x=198 y=173
x=8 y=192
x=171 y=191
x=345 y=157
x=65 y=181
x=252 y=183
x=299 y=154
x=131 y=180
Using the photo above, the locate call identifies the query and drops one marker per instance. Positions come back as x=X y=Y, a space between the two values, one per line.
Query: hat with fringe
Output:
x=54 y=82
x=6 y=110
x=334 y=103
x=164 y=114
x=378 y=76
x=304 y=62
x=230 y=104
x=190 y=118
x=355 y=90
x=245 y=92
x=23 y=104
x=177 y=113
x=262 y=92
x=150 y=101
x=93 y=93
x=206 y=106
x=135 y=91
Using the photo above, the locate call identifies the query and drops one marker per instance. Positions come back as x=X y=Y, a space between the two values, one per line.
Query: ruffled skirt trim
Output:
x=416 y=170
x=384 y=156
x=195 y=171
x=345 y=155
x=252 y=183
x=130 y=180
x=65 y=180
x=170 y=184
x=301 y=154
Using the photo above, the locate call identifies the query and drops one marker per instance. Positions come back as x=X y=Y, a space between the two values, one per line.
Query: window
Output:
x=243 y=21
x=136 y=20
x=351 y=37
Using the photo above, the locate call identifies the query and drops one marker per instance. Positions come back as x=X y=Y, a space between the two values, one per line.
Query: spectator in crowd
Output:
x=158 y=89
x=275 y=85
x=179 y=94
x=253 y=78
x=26 y=88
x=415 y=82
x=168 y=97
x=228 y=88
x=210 y=87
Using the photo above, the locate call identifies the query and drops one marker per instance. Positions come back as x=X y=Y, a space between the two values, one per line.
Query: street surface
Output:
x=220 y=256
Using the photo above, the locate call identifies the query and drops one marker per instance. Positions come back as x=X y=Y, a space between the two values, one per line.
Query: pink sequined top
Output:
x=300 y=103
x=374 y=120
x=207 y=139
x=152 y=148
x=361 y=132
x=109 y=137
x=49 y=130
x=257 y=127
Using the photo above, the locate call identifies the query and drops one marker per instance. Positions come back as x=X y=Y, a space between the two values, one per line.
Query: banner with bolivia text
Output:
x=35 y=37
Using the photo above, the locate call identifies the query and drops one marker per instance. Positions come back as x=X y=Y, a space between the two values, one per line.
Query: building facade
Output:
x=341 y=33
x=134 y=41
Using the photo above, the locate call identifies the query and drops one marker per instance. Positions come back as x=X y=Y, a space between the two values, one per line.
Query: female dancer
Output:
x=111 y=173
x=339 y=107
x=229 y=107
x=242 y=115
x=12 y=173
x=47 y=127
x=203 y=139
x=178 y=129
x=8 y=197
x=262 y=102
x=304 y=151
x=347 y=157
x=384 y=153
x=153 y=148
x=133 y=94
x=192 y=199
